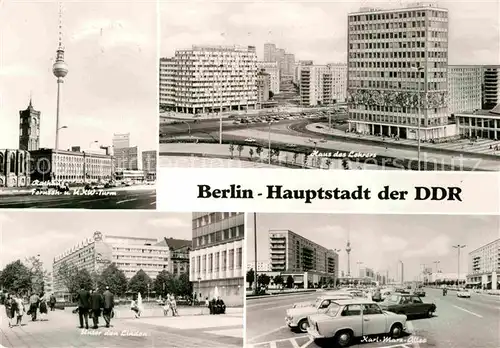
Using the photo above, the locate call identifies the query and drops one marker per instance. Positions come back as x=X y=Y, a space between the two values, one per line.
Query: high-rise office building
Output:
x=269 y=52
x=149 y=161
x=126 y=158
x=274 y=73
x=339 y=81
x=263 y=87
x=289 y=64
x=464 y=88
x=121 y=141
x=207 y=79
x=29 y=129
x=290 y=252
x=484 y=266
x=216 y=266
x=491 y=86
x=397 y=72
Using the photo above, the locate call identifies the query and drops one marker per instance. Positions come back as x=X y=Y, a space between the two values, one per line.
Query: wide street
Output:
x=188 y=330
x=141 y=197
x=293 y=132
x=458 y=322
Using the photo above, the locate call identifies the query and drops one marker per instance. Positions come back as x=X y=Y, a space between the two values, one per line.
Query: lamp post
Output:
x=336 y=268
x=199 y=287
x=402 y=272
x=269 y=142
x=458 y=247
x=255 y=251
x=418 y=69
x=436 y=263
x=148 y=292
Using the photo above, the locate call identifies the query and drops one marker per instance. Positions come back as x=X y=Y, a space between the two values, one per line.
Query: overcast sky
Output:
x=379 y=241
x=25 y=234
x=315 y=29
x=111 y=87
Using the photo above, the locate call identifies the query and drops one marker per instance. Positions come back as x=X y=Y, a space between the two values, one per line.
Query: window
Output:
x=224 y=260
x=370 y=309
x=325 y=304
x=416 y=300
x=351 y=310
x=239 y=257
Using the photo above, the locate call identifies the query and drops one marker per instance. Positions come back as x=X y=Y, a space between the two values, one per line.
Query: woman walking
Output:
x=19 y=310
x=43 y=307
x=134 y=306
x=9 y=301
x=173 y=305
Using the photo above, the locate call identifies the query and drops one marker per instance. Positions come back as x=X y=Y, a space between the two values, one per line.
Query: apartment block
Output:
x=464 y=88
x=484 y=266
x=491 y=86
x=322 y=84
x=274 y=73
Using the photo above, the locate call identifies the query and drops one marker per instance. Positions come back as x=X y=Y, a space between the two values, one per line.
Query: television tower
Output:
x=60 y=70
x=348 y=250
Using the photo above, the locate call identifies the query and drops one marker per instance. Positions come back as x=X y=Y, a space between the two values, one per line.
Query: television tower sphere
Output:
x=60 y=69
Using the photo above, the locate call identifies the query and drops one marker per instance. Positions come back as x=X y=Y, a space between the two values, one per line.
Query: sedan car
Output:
x=419 y=292
x=296 y=317
x=347 y=319
x=250 y=140
x=463 y=293
x=409 y=305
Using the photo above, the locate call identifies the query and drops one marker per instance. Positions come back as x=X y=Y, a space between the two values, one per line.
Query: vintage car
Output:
x=296 y=317
x=324 y=295
x=463 y=293
x=409 y=305
x=347 y=319
x=419 y=292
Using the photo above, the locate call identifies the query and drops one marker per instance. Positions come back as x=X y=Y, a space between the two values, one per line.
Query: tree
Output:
x=139 y=283
x=184 y=286
x=239 y=148
x=16 y=277
x=278 y=280
x=250 y=278
x=164 y=283
x=74 y=279
x=38 y=273
x=289 y=282
x=83 y=279
x=115 y=278
x=250 y=152
x=258 y=151
x=231 y=149
x=264 y=279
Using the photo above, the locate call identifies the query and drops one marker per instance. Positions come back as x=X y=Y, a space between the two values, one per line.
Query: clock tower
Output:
x=29 y=129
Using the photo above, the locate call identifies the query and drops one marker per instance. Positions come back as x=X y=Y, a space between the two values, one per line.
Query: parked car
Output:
x=463 y=293
x=347 y=319
x=409 y=305
x=419 y=292
x=250 y=140
x=296 y=317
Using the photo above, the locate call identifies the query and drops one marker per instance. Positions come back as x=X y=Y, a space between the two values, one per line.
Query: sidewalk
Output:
x=126 y=313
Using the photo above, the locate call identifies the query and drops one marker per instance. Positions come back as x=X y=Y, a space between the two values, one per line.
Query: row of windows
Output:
x=213 y=263
x=212 y=218
x=394 y=109
x=438 y=121
x=397 y=15
x=431 y=86
x=399 y=25
x=219 y=236
x=394 y=74
x=404 y=54
x=392 y=45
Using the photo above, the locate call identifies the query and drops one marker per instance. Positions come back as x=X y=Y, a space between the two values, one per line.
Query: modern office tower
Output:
x=263 y=87
x=130 y=254
x=211 y=79
x=297 y=69
x=167 y=83
x=397 y=72
x=149 y=161
x=280 y=59
x=216 y=266
x=491 y=86
x=121 y=141
x=322 y=84
x=274 y=73
x=29 y=129
x=290 y=252
x=126 y=158
x=269 y=52
x=289 y=64
x=484 y=266
x=464 y=88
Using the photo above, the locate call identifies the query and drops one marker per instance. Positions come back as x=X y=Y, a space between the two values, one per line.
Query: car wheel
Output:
x=430 y=313
x=396 y=330
x=343 y=339
x=303 y=325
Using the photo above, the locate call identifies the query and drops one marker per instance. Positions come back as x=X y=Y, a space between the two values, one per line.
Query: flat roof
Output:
x=401 y=9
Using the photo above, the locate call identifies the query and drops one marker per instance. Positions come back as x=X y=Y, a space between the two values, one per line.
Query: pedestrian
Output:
x=96 y=303
x=135 y=307
x=109 y=303
x=43 y=307
x=167 y=306
x=83 y=298
x=19 y=310
x=9 y=303
x=207 y=304
x=173 y=306
x=34 y=302
x=52 y=302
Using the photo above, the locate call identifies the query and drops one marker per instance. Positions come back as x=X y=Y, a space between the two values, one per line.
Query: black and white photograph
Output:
x=341 y=85
x=79 y=115
x=121 y=279
x=398 y=281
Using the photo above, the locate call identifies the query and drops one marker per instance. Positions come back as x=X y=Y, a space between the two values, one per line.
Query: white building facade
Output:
x=209 y=79
x=322 y=84
x=274 y=72
x=397 y=72
x=216 y=261
x=484 y=266
x=464 y=88
x=491 y=86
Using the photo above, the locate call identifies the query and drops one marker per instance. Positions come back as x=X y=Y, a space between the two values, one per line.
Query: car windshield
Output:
x=392 y=298
x=332 y=310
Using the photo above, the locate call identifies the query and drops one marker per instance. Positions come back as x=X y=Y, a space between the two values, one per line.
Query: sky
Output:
x=111 y=87
x=30 y=233
x=315 y=30
x=380 y=241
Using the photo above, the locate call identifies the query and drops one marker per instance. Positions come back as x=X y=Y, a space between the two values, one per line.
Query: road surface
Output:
x=458 y=322
x=186 y=331
x=133 y=198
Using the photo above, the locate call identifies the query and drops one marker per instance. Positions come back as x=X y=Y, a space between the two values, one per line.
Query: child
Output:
x=134 y=307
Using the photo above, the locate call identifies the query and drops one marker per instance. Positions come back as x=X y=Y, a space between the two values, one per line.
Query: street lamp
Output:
x=269 y=142
x=458 y=247
x=418 y=69
x=402 y=272
x=255 y=250
x=437 y=263
x=336 y=268
x=148 y=292
x=199 y=287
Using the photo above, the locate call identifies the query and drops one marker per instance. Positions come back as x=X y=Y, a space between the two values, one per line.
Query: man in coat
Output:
x=109 y=303
x=83 y=298
x=33 y=309
x=96 y=303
